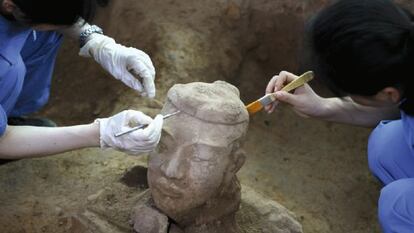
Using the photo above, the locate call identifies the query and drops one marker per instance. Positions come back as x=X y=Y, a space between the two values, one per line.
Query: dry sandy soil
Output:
x=316 y=169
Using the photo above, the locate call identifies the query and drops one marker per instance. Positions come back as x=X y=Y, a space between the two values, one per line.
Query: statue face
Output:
x=191 y=163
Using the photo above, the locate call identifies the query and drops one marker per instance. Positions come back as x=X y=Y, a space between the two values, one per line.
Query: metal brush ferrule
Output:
x=267 y=99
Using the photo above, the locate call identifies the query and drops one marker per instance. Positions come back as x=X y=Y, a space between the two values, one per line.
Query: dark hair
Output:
x=103 y=3
x=58 y=12
x=362 y=46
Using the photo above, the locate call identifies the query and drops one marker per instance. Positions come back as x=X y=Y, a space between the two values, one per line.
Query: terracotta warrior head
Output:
x=192 y=175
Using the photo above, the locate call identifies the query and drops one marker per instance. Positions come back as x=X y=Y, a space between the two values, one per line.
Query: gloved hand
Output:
x=122 y=62
x=136 y=142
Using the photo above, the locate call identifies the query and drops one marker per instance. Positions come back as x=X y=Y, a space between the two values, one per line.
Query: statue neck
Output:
x=226 y=224
x=217 y=215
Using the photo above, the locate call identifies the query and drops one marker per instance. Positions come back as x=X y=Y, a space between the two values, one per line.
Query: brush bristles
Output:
x=254 y=107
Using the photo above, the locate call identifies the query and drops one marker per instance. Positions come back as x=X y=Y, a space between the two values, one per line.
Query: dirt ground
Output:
x=316 y=169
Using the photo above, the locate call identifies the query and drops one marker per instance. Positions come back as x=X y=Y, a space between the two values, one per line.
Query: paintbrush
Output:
x=270 y=98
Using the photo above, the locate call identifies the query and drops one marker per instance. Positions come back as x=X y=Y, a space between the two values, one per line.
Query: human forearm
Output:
x=344 y=110
x=28 y=141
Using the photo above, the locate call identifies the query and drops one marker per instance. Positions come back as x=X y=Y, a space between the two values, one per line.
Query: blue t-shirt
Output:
x=12 y=67
x=408 y=125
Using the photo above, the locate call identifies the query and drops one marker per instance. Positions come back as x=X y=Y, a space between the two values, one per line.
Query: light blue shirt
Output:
x=12 y=67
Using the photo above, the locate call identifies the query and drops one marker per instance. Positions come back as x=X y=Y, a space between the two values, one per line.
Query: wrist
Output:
x=94 y=134
x=96 y=45
x=329 y=108
x=323 y=108
x=87 y=32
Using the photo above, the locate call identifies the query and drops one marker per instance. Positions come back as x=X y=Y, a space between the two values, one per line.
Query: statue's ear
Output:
x=239 y=157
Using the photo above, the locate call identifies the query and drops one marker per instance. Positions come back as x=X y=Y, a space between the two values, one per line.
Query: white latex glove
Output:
x=136 y=142
x=124 y=63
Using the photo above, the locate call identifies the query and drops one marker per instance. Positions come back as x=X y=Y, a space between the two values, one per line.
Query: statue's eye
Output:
x=198 y=159
x=166 y=143
x=161 y=148
x=201 y=153
x=208 y=153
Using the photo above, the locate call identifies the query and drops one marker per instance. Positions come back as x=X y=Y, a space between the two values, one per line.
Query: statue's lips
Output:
x=168 y=188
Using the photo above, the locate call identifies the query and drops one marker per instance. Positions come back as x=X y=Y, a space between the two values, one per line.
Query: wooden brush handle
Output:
x=304 y=78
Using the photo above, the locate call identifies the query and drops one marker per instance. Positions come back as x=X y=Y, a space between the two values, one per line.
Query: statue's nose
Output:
x=173 y=168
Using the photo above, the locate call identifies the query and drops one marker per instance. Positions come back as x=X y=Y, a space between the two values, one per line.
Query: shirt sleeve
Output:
x=3 y=121
x=408 y=124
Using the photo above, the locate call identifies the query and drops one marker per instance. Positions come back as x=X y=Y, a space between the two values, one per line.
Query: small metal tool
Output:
x=145 y=125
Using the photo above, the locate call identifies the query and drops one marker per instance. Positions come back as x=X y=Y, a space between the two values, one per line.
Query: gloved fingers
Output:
x=145 y=148
x=139 y=58
x=145 y=59
x=147 y=82
x=138 y=147
x=134 y=153
x=140 y=69
x=117 y=122
x=138 y=152
x=157 y=124
x=139 y=141
x=149 y=86
x=151 y=133
x=138 y=118
x=132 y=82
x=131 y=143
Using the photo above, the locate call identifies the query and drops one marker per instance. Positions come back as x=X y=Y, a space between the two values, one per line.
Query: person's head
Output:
x=365 y=49
x=199 y=153
x=50 y=14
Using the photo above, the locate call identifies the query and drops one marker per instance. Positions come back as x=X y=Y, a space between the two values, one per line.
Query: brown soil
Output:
x=316 y=169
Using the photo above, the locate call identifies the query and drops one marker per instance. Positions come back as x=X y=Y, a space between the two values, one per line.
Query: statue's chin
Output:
x=178 y=210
